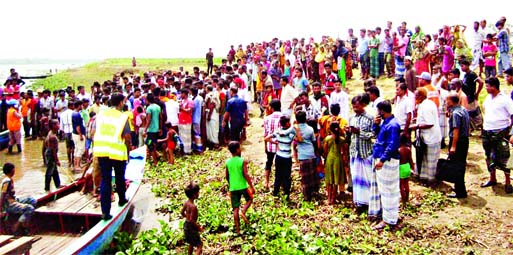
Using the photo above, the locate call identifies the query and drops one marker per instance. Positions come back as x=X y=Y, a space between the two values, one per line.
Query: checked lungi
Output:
x=400 y=69
x=184 y=130
x=361 y=185
x=429 y=160
x=496 y=147
x=388 y=187
x=374 y=197
x=309 y=178
x=476 y=117
x=374 y=66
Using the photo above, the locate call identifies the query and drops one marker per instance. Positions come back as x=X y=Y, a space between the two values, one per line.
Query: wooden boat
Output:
x=35 y=77
x=69 y=222
x=4 y=140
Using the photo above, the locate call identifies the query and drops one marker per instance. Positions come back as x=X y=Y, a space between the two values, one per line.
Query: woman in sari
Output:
x=421 y=57
x=319 y=59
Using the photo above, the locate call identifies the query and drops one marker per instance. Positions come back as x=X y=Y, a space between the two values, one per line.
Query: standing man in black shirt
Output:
x=470 y=81
x=210 y=60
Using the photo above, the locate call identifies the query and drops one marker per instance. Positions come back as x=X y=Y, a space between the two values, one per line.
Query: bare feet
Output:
x=244 y=218
x=380 y=226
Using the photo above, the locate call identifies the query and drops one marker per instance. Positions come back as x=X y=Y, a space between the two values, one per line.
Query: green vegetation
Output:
x=277 y=226
x=101 y=71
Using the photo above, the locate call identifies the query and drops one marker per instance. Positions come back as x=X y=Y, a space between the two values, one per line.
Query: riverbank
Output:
x=103 y=70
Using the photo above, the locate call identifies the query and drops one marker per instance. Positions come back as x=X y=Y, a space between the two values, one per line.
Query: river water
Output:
x=33 y=67
x=30 y=171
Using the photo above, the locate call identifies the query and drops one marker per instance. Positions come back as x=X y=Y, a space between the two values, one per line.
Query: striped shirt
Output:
x=361 y=144
x=503 y=39
x=271 y=124
x=284 y=139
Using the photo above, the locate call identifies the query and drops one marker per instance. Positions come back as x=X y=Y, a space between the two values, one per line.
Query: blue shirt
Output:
x=196 y=112
x=305 y=149
x=386 y=146
x=77 y=121
x=503 y=39
x=236 y=107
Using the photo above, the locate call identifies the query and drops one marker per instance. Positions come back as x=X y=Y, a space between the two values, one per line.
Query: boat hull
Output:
x=101 y=235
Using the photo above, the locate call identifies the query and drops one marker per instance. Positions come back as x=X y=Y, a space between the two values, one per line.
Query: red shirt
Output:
x=183 y=116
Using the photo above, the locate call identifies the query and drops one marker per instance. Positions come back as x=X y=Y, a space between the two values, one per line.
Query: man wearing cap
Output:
x=428 y=136
x=410 y=74
x=432 y=92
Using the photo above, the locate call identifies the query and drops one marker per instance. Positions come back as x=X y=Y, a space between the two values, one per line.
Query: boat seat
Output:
x=21 y=245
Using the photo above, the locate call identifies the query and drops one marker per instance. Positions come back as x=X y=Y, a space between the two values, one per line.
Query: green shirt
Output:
x=374 y=51
x=154 y=110
x=236 y=180
x=85 y=116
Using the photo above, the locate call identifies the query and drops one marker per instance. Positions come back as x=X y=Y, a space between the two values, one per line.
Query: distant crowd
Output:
x=299 y=87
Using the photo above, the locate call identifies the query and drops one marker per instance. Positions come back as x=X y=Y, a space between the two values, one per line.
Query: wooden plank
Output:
x=79 y=204
x=60 y=204
x=4 y=239
x=19 y=246
x=95 y=208
x=52 y=244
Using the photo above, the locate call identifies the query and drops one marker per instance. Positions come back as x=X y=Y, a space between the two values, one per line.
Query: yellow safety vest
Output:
x=107 y=138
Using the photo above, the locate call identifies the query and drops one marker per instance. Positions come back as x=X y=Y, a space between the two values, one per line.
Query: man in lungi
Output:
x=428 y=137
x=386 y=164
x=306 y=156
x=360 y=151
x=498 y=109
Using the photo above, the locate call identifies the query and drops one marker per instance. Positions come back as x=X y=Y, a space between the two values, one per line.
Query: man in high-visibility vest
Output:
x=111 y=145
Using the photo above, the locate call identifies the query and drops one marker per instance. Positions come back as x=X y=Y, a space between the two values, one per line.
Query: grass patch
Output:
x=276 y=226
x=103 y=70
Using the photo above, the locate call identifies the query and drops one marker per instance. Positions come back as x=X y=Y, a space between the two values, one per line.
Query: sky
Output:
x=97 y=29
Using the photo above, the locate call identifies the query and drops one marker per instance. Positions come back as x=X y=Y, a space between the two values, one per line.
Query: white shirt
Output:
x=288 y=94
x=403 y=106
x=66 y=122
x=427 y=114
x=85 y=96
x=61 y=106
x=342 y=99
x=381 y=46
x=478 y=38
x=291 y=58
x=376 y=102
x=172 y=109
x=498 y=111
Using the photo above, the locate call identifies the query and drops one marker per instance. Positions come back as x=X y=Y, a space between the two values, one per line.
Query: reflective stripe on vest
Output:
x=107 y=138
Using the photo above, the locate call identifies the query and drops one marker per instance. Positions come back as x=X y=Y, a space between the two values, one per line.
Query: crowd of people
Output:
x=299 y=88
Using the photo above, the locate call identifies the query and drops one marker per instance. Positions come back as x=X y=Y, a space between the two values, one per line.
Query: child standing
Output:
x=284 y=139
x=238 y=181
x=191 y=227
x=170 y=140
x=334 y=173
x=405 y=167
x=490 y=54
